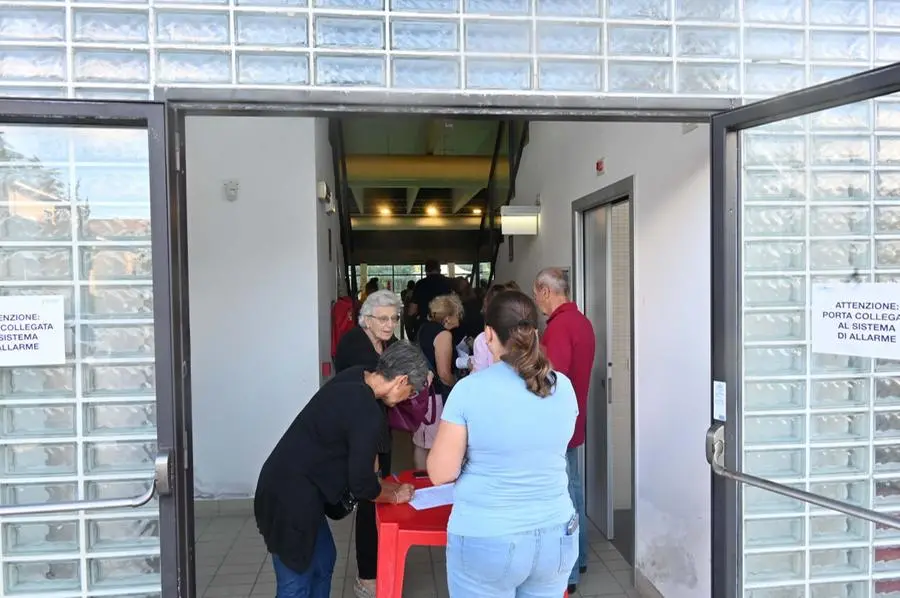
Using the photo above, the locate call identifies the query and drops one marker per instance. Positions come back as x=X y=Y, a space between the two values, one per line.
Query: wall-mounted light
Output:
x=519 y=220
x=385 y=211
x=477 y=211
x=324 y=194
x=431 y=211
x=323 y=191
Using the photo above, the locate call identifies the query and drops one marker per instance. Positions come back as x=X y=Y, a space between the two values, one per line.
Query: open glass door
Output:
x=805 y=445
x=89 y=453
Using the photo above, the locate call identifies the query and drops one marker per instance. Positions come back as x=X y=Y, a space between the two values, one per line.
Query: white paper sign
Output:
x=859 y=319
x=32 y=330
x=720 y=400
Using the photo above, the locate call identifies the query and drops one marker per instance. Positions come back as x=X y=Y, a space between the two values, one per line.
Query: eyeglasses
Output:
x=385 y=320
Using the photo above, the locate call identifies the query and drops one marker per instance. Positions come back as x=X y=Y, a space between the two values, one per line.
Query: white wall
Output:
x=672 y=307
x=254 y=281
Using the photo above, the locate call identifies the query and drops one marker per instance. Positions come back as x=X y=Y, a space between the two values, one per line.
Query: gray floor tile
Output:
x=232 y=563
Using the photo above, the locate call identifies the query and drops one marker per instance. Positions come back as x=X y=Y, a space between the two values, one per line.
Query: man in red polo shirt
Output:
x=570 y=345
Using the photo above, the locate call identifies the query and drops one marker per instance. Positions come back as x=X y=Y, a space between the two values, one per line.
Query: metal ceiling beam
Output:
x=371 y=170
x=359 y=196
x=415 y=222
x=411 y=194
x=487 y=216
x=463 y=196
x=434 y=131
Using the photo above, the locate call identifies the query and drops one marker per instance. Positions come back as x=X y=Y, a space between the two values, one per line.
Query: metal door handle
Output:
x=160 y=484
x=715 y=456
x=609 y=383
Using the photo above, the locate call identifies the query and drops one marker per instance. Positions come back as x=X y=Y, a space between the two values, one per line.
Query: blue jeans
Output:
x=315 y=582
x=576 y=491
x=529 y=565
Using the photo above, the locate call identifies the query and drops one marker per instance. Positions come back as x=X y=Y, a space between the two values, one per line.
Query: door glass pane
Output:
x=75 y=222
x=384 y=274
x=820 y=203
x=405 y=274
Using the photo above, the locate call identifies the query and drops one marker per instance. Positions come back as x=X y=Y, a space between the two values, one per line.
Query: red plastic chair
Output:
x=400 y=527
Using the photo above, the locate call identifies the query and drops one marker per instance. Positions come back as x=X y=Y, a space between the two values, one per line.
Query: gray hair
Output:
x=554 y=279
x=383 y=298
x=403 y=358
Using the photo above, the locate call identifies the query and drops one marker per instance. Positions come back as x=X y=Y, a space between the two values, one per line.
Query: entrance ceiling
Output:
x=422 y=166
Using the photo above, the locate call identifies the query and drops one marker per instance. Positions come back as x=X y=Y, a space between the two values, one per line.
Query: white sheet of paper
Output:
x=33 y=330
x=856 y=318
x=462 y=349
x=435 y=496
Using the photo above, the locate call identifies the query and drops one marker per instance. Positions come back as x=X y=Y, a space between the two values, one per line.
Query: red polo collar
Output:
x=567 y=306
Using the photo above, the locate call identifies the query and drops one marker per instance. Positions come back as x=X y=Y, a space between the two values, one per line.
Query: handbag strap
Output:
x=432 y=398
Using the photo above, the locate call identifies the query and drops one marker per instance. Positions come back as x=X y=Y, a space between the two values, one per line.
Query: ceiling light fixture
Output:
x=385 y=211
x=431 y=211
x=477 y=211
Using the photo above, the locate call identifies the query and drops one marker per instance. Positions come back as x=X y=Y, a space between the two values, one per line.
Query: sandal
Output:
x=361 y=590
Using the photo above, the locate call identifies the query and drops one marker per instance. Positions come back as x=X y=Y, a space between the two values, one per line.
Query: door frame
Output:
x=725 y=173
x=619 y=191
x=181 y=348
x=169 y=324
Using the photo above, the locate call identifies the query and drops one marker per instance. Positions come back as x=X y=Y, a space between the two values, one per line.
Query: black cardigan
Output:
x=330 y=447
x=356 y=349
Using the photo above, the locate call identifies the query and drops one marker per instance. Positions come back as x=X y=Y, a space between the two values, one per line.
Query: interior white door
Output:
x=598 y=458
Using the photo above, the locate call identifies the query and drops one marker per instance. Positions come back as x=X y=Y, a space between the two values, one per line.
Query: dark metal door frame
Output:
x=181 y=348
x=725 y=130
x=608 y=196
x=169 y=320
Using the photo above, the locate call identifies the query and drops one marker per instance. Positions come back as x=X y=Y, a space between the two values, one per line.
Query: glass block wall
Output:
x=821 y=203
x=75 y=222
x=122 y=48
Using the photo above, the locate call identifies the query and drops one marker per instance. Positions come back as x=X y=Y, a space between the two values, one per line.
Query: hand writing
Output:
x=404 y=493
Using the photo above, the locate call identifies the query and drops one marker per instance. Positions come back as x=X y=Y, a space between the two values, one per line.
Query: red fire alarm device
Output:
x=326 y=369
x=600 y=166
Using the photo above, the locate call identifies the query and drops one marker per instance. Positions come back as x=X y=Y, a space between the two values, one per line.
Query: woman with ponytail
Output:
x=504 y=431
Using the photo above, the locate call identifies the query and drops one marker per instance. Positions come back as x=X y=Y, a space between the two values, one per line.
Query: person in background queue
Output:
x=363 y=346
x=409 y=321
x=482 y=358
x=513 y=530
x=371 y=287
x=328 y=456
x=436 y=341
x=433 y=285
x=570 y=344
x=473 y=321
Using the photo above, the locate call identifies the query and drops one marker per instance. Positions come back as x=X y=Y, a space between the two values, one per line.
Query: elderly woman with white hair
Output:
x=363 y=346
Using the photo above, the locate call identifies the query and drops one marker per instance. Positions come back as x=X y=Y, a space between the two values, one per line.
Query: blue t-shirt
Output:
x=514 y=479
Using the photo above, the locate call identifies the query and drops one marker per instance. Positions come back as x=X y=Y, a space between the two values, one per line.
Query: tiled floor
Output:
x=232 y=563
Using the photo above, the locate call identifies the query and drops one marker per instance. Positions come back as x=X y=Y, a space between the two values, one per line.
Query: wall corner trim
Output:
x=644 y=586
